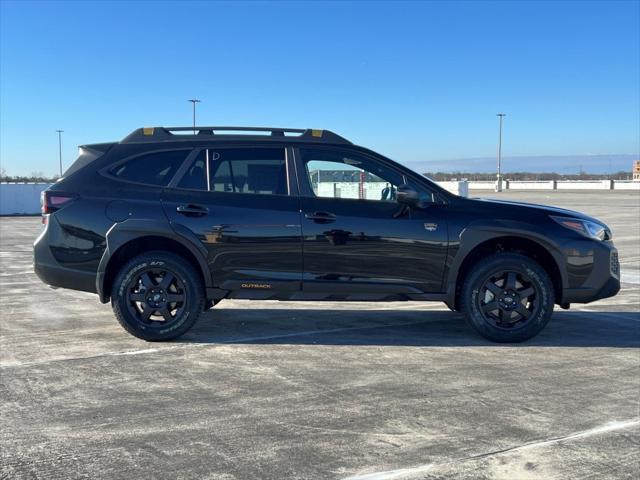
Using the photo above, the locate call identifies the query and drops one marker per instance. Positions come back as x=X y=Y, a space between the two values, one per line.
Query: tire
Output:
x=143 y=292
x=518 y=288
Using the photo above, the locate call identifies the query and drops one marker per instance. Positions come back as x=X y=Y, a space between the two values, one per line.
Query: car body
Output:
x=287 y=214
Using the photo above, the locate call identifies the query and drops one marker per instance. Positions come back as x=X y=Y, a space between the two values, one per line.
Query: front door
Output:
x=239 y=202
x=357 y=239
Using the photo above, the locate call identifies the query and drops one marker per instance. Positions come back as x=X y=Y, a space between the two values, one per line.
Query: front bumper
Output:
x=601 y=280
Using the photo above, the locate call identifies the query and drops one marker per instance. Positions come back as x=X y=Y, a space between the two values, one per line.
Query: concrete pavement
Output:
x=318 y=390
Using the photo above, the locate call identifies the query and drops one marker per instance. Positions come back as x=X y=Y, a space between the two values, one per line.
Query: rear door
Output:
x=242 y=205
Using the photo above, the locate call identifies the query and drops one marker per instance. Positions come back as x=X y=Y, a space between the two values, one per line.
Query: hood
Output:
x=524 y=207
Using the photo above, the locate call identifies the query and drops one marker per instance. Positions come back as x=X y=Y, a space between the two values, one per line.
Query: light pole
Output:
x=499 y=179
x=194 y=101
x=60 y=149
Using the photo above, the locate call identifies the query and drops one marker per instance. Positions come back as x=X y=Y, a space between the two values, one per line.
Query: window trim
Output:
x=207 y=169
x=106 y=171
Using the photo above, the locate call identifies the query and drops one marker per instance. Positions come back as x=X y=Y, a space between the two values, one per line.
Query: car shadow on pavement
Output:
x=401 y=328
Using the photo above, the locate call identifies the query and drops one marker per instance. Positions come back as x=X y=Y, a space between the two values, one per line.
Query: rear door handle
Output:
x=191 y=210
x=320 y=217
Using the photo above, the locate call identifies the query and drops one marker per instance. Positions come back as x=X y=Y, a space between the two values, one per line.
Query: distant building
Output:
x=636 y=171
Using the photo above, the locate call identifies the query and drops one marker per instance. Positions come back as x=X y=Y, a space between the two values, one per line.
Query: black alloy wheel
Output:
x=157 y=296
x=507 y=297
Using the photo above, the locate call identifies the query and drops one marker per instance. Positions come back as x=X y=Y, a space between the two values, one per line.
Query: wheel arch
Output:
x=536 y=249
x=126 y=241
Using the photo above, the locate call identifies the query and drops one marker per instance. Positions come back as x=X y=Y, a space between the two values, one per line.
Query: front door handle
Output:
x=191 y=210
x=320 y=217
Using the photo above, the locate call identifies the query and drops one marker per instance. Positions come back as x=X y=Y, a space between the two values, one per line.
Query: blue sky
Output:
x=417 y=81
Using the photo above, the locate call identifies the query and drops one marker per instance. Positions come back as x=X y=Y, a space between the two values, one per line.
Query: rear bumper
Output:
x=52 y=273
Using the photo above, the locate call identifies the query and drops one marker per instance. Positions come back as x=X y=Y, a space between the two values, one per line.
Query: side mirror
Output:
x=407 y=195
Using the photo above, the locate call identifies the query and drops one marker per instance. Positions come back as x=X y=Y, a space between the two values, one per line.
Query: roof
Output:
x=172 y=134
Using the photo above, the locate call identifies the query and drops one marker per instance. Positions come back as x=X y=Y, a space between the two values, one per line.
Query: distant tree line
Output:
x=528 y=176
x=37 y=177
x=438 y=176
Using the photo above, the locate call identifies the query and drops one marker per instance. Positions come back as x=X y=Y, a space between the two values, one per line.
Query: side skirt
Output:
x=336 y=296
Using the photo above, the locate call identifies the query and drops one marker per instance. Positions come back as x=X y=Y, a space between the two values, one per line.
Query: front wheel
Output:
x=157 y=296
x=507 y=297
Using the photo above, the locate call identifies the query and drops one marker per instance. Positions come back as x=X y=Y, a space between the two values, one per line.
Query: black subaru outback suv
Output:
x=169 y=221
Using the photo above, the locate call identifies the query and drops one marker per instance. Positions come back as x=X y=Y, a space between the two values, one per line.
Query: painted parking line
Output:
x=417 y=470
x=632 y=277
x=222 y=342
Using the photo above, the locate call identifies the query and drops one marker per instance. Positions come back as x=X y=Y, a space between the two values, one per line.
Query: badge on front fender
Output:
x=430 y=227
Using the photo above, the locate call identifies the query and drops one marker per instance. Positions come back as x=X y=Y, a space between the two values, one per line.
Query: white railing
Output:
x=24 y=198
x=557 y=185
x=21 y=198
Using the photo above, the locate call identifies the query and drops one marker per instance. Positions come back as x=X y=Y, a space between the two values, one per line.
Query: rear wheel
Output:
x=507 y=297
x=157 y=296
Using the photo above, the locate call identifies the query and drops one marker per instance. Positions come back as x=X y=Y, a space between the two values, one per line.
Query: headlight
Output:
x=587 y=228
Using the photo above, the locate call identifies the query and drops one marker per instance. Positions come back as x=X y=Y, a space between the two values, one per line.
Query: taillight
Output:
x=52 y=201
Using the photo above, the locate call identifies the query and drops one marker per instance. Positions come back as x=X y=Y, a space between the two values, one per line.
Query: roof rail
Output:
x=165 y=134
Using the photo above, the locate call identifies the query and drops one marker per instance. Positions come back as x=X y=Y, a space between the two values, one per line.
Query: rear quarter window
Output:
x=155 y=168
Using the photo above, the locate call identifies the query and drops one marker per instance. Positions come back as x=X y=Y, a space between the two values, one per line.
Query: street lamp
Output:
x=499 y=179
x=194 y=101
x=60 y=149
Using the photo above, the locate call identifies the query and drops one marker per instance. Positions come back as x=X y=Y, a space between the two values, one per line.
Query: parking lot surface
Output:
x=309 y=390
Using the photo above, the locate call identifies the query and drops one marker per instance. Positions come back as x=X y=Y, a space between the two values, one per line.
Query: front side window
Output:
x=336 y=174
x=156 y=168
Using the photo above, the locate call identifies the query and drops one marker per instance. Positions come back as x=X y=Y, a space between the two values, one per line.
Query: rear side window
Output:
x=195 y=178
x=238 y=170
x=248 y=170
x=157 y=168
